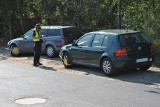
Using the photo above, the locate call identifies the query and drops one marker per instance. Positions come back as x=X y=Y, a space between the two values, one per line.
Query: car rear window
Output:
x=70 y=32
x=132 y=39
x=54 y=32
x=44 y=31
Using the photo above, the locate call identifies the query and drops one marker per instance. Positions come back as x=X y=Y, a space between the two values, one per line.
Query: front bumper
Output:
x=8 y=49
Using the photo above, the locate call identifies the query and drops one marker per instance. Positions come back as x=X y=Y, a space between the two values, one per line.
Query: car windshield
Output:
x=132 y=39
x=28 y=34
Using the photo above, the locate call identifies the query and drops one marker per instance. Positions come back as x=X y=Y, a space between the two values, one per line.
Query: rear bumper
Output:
x=132 y=63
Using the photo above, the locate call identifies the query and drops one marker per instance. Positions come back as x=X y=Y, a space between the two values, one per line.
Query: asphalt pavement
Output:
x=63 y=89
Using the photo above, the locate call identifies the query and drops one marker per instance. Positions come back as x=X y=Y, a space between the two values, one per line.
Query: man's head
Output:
x=38 y=26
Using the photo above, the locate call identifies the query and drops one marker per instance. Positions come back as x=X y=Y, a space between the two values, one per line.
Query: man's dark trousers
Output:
x=37 y=52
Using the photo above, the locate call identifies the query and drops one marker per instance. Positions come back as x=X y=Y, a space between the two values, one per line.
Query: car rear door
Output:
x=54 y=37
x=78 y=51
x=70 y=34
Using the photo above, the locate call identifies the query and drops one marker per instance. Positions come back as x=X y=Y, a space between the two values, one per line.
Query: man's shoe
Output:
x=35 y=65
x=40 y=64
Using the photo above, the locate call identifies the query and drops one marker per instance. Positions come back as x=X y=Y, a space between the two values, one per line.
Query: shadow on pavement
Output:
x=47 y=68
x=150 y=77
x=2 y=57
x=155 y=92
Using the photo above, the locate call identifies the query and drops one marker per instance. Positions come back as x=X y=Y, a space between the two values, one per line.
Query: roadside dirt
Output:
x=56 y=65
x=50 y=64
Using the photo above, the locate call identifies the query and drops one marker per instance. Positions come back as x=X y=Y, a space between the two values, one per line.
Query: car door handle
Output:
x=101 y=50
x=79 y=47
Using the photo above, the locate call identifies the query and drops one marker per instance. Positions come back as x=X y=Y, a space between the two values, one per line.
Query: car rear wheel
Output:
x=14 y=50
x=67 y=60
x=144 y=68
x=50 y=51
x=107 y=67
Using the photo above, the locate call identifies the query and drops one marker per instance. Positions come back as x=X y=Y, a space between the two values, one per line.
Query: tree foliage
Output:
x=18 y=16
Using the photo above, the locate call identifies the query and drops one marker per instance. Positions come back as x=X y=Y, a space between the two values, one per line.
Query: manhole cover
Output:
x=28 y=101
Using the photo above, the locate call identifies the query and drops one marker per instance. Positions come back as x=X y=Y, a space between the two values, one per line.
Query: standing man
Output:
x=37 y=38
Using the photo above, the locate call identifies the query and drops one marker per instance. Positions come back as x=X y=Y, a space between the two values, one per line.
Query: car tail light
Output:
x=121 y=52
x=62 y=41
x=152 y=48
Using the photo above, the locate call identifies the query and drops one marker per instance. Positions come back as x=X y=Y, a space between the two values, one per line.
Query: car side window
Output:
x=105 y=41
x=54 y=32
x=85 y=41
x=97 y=41
x=28 y=34
x=44 y=32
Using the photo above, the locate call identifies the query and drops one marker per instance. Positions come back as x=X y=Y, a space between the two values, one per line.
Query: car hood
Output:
x=66 y=46
x=15 y=40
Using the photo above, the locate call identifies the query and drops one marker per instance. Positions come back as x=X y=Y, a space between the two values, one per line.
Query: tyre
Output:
x=67 y=60
x=50 y=51
x=14 y=50
x=144 y=68
x=107 y=67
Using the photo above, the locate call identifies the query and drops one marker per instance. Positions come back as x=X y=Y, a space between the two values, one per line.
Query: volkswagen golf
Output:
x=110 y=50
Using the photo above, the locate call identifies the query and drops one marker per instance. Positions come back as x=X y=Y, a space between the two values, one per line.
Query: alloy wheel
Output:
x=107 y=67
x=50 y=51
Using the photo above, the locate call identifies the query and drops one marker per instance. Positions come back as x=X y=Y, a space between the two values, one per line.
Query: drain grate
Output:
x=30 y=101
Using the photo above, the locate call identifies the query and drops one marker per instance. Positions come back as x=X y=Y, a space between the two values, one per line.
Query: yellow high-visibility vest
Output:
x=37 y=36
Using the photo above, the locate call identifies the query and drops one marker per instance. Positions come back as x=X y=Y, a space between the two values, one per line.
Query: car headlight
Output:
x=9 y=43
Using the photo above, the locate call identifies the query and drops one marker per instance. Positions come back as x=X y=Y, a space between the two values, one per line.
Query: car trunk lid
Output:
x=136 y=44
x=71 y=34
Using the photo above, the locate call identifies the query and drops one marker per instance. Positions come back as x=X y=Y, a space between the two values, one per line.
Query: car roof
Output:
x=56 y=27
x=115 y=31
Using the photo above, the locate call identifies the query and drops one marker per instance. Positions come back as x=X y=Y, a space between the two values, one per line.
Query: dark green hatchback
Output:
x=110 y=50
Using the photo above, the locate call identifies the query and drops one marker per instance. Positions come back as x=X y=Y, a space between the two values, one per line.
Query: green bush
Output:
x=157 y=46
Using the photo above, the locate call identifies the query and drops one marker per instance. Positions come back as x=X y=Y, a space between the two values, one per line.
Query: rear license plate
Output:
x=141 y=60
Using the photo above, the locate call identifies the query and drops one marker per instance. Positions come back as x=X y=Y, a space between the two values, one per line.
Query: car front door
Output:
x=78 y=51
x=27 y=44
x=97 y=48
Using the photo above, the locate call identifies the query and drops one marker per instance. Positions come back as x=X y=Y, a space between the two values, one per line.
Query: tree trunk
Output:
x=10 y=27
x=20 y=16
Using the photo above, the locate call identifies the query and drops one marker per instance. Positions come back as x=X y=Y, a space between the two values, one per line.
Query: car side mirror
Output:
x=24 y=37
x=74 y=43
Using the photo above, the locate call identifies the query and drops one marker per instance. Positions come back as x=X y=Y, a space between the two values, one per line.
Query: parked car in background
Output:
x=54 y=37
x=110 y=50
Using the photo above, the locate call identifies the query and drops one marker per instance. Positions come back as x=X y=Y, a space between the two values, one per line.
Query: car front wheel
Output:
x=14 y=50
x=67 y=60
x=50 y=51
x=107 y=67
